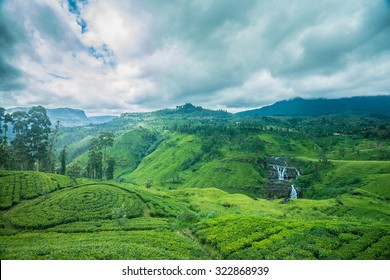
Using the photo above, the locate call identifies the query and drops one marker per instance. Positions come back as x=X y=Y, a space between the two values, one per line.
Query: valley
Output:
x=193 y=183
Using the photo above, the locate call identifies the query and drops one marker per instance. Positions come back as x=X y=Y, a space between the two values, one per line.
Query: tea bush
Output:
x=19 y=185
x=86 y=203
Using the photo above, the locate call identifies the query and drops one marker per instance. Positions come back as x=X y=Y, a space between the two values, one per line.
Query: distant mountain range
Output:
x=364 y=105
x=69 y=117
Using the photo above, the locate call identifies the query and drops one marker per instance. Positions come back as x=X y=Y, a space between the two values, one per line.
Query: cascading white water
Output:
x=298 y=173
x=282 y=172
x=293 y=194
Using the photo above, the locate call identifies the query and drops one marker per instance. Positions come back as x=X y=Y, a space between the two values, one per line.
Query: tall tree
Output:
x=38 y=134
x=50 y=160
x=7 y=120
x=2 y=114
x=110 y=168
x=94 y=167
x=74 y=170
x=4 y=149
x=63 y=156
x=98 y=165
x=20 y=141
x=106 y=139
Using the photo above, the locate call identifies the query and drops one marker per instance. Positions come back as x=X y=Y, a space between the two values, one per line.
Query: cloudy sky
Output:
x=113 y=56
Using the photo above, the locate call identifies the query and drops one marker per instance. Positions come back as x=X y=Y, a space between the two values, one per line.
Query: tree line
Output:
x=27 y=141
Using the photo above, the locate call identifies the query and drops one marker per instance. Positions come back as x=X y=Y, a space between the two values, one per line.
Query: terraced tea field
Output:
x=83 y=203
x=16 y=186
x=264 y=238
x=94 y=221
x=104 y=220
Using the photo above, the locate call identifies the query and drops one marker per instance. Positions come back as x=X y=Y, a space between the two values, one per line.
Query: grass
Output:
x=166 y=162
x=231 y=176
x=178 y=162
x=291 y=145
x=344 y=176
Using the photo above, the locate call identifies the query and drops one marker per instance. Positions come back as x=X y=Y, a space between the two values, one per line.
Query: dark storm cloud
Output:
x=11 y=34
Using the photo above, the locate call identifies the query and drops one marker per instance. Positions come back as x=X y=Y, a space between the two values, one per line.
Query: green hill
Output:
x=192 y=183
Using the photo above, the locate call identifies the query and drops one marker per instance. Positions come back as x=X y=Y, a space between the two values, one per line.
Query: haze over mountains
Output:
x=69 y=117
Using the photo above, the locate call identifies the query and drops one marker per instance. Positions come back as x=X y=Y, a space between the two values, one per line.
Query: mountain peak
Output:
x=360 y=105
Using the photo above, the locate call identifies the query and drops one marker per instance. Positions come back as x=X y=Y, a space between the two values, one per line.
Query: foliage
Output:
x=104 y=245
x=198 y=177
x=16 y=186
x=157 y=205
x=84 y=203
x=238 y=237
x=63 y=156
x=141 y=223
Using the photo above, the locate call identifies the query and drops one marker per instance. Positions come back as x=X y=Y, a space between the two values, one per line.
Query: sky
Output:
x=112 y=56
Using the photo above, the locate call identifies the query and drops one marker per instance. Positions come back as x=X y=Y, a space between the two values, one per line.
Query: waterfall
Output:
x=282 y=172
x=293 y=193
x=298 y=173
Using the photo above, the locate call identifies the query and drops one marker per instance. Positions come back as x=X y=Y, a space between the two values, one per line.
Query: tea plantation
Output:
x=97 y=220
x=200 y=184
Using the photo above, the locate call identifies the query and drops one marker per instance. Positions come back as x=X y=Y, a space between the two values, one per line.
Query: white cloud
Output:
x=122 y=25
x=220 y=54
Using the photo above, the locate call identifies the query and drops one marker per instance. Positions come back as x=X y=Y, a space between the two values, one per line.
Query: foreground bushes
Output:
x=18 y=185
x=259 y=238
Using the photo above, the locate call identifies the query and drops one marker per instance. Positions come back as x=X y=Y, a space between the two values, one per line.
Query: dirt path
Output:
x=145 y=210
x=212 y=252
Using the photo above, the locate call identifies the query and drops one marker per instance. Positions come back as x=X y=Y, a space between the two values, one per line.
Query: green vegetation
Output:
x=76 y=204
x=103 y=245
x=140 y=223
x=32 y=143
x=18 y=185
x=339 y=177
x=261 y=238
x=191 y=183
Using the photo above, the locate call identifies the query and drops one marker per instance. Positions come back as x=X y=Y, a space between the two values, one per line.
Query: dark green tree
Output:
x=2 y=117
x=63 y=155
x=4 y=149
x=94 y=167
x=51 y=160
x=106 y=139
x=38 y=135
x=20 y=142
x=7 y=120
x=74 y=170
x=98 y=164
x=110 y=168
